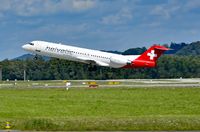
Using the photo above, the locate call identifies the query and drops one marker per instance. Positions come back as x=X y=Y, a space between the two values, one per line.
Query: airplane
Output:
x=95 y=57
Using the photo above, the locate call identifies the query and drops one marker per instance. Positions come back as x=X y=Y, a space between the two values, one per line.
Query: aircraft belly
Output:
x=113 y=65
x=56 y=55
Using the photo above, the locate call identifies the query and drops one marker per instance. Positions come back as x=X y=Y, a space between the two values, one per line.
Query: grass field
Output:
x=101 y=109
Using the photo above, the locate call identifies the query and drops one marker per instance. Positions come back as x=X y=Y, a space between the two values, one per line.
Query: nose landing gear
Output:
x=35 y=57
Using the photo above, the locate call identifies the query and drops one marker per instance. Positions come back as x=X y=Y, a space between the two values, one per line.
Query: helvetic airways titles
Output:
x=63 y=51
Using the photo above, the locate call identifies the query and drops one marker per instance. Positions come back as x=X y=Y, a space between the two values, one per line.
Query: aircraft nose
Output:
x=25 y=47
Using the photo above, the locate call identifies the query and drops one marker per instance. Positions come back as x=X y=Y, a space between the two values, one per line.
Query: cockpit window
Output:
x=31 y=44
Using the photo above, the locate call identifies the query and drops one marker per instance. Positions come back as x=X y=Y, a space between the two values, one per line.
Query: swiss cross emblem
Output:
x=152 y=54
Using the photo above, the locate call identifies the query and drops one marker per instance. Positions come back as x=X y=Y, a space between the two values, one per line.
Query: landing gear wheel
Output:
x=35 y=57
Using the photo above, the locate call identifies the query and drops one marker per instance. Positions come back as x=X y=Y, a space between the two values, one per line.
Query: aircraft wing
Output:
x=91 y=61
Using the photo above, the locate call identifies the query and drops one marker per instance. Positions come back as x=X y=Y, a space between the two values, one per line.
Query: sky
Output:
x=97 y=24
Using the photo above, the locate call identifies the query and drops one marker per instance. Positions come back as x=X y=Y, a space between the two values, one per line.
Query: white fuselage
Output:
x=79 y=54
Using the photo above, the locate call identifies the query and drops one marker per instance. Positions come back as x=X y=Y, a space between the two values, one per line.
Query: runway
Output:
x=130 y=83
x=118 y=83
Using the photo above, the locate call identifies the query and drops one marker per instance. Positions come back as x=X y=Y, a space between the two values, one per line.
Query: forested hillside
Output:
x=169 y=66
x=191 y=49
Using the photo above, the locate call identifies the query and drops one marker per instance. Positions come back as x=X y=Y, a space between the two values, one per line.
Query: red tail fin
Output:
x=149 y=57
x=153 y=53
